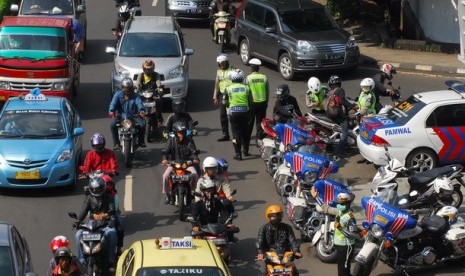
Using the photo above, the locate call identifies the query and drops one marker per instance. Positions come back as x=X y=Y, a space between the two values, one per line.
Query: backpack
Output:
x=332 y=108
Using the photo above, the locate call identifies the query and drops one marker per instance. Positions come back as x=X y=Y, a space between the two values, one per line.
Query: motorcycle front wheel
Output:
x=127 y=153
x=326 y=252
x=360 y=270
x=90 y=266
x=181 y=206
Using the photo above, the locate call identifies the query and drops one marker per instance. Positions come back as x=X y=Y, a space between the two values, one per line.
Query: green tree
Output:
x=342 y=9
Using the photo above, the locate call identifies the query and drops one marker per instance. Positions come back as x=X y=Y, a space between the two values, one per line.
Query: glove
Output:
x=194 y=132
x=111 y=114
x=75 y=224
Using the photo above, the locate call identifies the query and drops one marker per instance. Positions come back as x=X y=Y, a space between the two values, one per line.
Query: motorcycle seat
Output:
x=435 y=225
x=428 y=176
x=323 y=117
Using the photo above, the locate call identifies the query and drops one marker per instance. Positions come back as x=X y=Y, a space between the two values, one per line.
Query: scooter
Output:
x=222 y=29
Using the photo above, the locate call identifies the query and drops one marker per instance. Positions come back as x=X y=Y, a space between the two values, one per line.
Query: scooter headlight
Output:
x=377 y=231
x=147 y=94
x=127 y=124
x=97 y=248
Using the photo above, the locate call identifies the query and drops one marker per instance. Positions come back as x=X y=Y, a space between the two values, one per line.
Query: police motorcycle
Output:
x=396 y=238
x=389 y=176
x=129 y=136
x=222 y=29
x=93 y=244
x=149 y=99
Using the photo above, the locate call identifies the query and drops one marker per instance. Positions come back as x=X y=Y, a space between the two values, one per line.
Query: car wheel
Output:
x=422 y=160
x=244 y=51
x=285 y=67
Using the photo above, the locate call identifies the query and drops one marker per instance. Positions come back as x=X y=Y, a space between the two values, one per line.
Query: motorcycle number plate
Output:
x=181 y=177
x=91 y=237
x=281 y=271
x=221 y=32
x=28 y=175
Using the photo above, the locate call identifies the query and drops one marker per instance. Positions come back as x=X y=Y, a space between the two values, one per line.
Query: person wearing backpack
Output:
x=337 y=108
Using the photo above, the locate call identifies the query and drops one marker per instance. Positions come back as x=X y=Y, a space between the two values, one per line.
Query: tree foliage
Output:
x=342 y=9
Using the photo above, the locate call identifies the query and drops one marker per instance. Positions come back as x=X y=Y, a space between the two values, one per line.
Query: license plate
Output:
x=181 y=177
x=333 y=56
x=192 y=11
x=91 y=237
x=281 y=271
x=28 y=175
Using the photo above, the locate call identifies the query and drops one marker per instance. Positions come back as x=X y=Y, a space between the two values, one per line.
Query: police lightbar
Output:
x=176 y=243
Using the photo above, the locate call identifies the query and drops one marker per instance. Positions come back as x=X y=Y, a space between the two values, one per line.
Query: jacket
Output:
x=285 y=109
x=340 y=98
x=131 y=107
x=221 y=183
x=155 y=81
x=202 y=216
x=95 y=205
x=105 y=161
x=281 y=237
x=380 y=88
x=180 y=150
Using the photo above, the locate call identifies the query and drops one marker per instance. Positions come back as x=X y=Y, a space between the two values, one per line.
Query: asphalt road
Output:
x=41 y=215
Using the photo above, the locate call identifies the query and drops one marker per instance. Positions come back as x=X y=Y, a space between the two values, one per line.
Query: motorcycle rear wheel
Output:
x=127 y=153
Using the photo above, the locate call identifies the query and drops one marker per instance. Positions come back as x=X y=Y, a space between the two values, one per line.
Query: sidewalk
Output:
x=373 y=55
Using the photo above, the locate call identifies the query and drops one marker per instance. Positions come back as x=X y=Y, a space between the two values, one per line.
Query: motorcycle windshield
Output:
x=290 y=133
x=215 y=228
x=302 y=162
x=329 y=188
x=390 y=218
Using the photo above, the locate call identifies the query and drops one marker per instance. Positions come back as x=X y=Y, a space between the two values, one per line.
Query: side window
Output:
x=270 y=19
x=19 y=251
x=69 y=116
x=128 y=265
x=447 y=116
x=254 y=14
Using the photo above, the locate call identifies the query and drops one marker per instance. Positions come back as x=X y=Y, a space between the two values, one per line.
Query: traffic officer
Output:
x=221 y=82
x=366 y=100
x=238 y=99
x=315 y=95
x=258 y=85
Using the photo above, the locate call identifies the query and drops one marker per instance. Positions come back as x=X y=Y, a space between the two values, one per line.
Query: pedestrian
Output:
x=314 y=98
x=366 y=99
x=286 y=106
x=258 y=85
x=221 y=82
x=238 y=99
x=337 y=108
x=381 y=87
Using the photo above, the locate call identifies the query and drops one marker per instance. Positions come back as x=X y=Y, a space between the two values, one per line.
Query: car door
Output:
x=268 y=40
x=445 y=128
x=254 y=15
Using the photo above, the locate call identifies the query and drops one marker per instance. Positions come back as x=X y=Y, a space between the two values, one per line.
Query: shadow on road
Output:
x=95 y=51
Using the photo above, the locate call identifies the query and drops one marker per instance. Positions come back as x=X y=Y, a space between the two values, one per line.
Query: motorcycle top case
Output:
x=328 y=190
x=290 y=133
x=390 y=218
x=301 y=162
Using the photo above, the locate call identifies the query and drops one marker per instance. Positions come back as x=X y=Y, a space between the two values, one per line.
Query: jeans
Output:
x=111 y=238
x=140 y=124
x=341 y=146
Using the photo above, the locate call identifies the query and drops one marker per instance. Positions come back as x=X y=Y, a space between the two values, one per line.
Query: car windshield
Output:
x=313 y=20
x=404 y=111
x=47 y=7
x=6 y=266
x=150 y=45
x=37 y=124
x=184 y=271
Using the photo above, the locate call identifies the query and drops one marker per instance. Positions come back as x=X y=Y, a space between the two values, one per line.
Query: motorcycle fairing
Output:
x=370 y=125
x=302 y=162
x=328 y=190
x=390 y=218
x=290 y=133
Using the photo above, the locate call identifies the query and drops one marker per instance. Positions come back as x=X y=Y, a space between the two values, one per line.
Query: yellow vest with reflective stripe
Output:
x=257 y=86
x=238 y=94
x=223 y=77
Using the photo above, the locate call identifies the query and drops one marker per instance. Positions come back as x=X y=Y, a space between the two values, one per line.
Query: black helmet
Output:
x=127 y=85
x=97 y=186
x=179 y=105
x=98 y=142
x=123 y=12
x=62 y=252
x=334 y=80
x=282 y=91
x=180 y=126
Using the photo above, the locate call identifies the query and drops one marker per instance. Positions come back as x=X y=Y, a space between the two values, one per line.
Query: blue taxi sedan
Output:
x=40 y=142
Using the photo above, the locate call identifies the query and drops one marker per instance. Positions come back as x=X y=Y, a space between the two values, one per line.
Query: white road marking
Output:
x=154 y=3
x=128 y=193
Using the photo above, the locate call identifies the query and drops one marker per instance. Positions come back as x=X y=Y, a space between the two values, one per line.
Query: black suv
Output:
x=297 y=35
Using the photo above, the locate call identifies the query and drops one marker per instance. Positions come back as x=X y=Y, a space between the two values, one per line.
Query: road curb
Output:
x=416 y=67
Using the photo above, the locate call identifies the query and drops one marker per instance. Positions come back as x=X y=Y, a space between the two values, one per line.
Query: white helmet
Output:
x=449 y=213
x=236 y=75
x=255 y=61
x=442 y=184
x=314 y=84
x=367 y=82
x=222 y=58
x=123 y=8
x=210 y=162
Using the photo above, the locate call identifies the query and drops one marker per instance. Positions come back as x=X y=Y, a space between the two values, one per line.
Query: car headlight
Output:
x=351 y=43
x=303 y=45
x=176 y=72
x=120 y=70
x=377 y=231
x=65 y=155
x=4 y=85
x=60 y=86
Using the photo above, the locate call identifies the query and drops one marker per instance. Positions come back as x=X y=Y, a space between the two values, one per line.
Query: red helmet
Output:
x=57 y=242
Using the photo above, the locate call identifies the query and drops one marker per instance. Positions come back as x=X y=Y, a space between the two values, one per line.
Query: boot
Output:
x=224 y=138
x=237 y=149
x=245 y=151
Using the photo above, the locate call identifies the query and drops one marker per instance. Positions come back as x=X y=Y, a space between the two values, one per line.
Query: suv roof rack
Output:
x=457 y=86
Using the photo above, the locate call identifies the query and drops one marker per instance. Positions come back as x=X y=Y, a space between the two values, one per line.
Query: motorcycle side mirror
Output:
x=234 y=192
x=403 y=201
x=270 y=29
x=196 y=152
x=356 y=99
x=190 y=219
x=234 y=215
x=72 y=215
x=195 y=123
x=413 y=194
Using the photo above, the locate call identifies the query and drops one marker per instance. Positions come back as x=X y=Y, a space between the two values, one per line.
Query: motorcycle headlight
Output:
x=310 y=177
x=351 y=43
x=147 y=94
x=127 y=124
x=377 y=231
x=176 y=72
x=4 y=85
x=65 y=155
x=305 y=46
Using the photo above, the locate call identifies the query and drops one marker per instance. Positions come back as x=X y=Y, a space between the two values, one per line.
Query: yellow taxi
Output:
x=171 y=256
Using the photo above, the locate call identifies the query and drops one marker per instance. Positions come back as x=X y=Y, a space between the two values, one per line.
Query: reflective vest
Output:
x=223 y=77
x=363 y=99
x=339 y=237
x=317 y=98
x=238 y=94
x=257 y=85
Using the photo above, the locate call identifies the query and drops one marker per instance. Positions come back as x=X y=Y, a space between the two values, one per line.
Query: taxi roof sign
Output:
x=173 y=243
x=35 y=95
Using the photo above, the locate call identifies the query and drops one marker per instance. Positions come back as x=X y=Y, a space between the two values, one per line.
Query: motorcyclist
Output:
x=381 y=87
x=179 y=114
x=132 y=3
x=210 y=208
x=223 y=188
x=64 y=263
x=217 y=6
x=286 y=106
x=59 y=242
x=366 y=99
x=276 y=235
x=130 y=104
x=149 y=79
x=99 y=157
x=180 y=147
x=79 y=35
x=315 y=95
x=123 y=16
x=99 y=205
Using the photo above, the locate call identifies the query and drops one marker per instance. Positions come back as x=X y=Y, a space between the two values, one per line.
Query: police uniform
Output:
x=312 y=98
x=222 y=81
x=344 y=241
x=238 y=99
x=367 y=103
x=258 y=85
